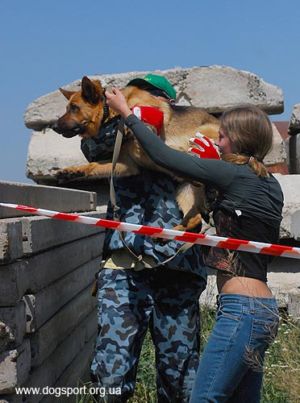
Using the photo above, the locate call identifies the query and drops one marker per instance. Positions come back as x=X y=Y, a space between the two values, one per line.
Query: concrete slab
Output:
x=290 y=185
x=10 y=240
x=35 y=273
x=14 y=367
x=44 y=304
x=75 y=374
x=49 y=151
x=214 y=88
x=295 y=226
x=46 y=339
x=59 y=153
x=294 y=304
x=47 y=197
x=294 y=127
x=293 y=147
x=40 y=233
x=53 y=367
x=15 y=320
x=278 y=152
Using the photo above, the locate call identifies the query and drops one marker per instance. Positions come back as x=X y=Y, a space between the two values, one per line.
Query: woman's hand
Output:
x=203 y=147
x=117 y=102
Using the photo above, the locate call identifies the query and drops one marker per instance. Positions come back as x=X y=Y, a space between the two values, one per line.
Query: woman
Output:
x=248 y=206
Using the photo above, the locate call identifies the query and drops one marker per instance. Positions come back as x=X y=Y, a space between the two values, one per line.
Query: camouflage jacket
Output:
x=148 y=199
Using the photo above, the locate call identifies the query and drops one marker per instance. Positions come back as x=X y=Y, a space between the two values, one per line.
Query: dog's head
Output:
x=84 y=112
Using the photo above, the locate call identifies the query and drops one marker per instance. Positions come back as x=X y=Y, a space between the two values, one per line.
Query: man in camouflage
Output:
x=135 y=294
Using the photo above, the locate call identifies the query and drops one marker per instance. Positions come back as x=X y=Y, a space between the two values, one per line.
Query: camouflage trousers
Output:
x=130 y=302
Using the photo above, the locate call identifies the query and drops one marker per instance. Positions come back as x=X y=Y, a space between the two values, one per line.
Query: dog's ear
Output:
x=91 y=91
x=66 y=93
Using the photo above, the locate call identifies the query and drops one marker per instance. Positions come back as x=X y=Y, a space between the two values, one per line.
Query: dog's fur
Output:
x=84 y=117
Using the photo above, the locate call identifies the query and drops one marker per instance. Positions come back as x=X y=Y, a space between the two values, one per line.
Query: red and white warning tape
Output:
x=157 y=232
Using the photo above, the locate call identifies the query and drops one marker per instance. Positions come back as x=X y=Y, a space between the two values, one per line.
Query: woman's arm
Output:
x=216 y=172
x=211 y=171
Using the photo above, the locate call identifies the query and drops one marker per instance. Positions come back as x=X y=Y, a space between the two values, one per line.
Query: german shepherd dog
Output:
x=87 y=112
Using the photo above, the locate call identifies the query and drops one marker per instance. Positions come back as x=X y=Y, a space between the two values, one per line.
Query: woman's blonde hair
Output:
x=250 y=133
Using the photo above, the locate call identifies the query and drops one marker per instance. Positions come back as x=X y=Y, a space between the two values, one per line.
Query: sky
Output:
x=48 y=44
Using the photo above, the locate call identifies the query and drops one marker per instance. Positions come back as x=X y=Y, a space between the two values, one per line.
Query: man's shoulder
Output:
x=149 y=187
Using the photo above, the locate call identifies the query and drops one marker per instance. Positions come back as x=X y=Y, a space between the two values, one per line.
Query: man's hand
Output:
x=117 y=102
x=203 y=147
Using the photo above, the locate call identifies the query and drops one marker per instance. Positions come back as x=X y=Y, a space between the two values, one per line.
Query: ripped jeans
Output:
x=231 y=367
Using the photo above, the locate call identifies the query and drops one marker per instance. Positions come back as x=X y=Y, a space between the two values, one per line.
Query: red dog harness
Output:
x=150 y=115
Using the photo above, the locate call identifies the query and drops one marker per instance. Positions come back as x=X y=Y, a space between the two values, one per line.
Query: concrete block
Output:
x=49 y=372
x=43 y=305
x=40 y=233
x=77 y=373
x=9 y=287
x=14 y=319
x=278 y=153
x=14 y=367
x=208 y=298
x=10 y=240
x=217 y=88
x=214 y=88
x=290 y=185
x=60 y=154
x=295 y=226
x=283 y=275
x=294 y=126
x=47 y=197
x=37 y=272
x=6 y=337
x=53 y=332
x=293 y=155
x=294 y=304
x=49 y=151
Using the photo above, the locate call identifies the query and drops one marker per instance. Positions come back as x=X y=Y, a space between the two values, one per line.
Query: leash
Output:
x=112 y=191
x=116 y=209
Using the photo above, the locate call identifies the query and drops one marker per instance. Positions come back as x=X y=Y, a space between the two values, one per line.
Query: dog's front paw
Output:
x=68 y=175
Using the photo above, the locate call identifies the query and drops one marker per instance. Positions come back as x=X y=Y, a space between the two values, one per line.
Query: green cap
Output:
x=156 y=81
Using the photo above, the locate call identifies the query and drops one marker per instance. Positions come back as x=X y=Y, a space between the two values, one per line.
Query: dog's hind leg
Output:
x=191 y=200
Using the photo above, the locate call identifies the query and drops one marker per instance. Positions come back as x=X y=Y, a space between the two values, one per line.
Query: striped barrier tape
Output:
x=157 y=232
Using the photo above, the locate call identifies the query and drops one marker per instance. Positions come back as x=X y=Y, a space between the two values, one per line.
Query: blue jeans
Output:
x=231 y=367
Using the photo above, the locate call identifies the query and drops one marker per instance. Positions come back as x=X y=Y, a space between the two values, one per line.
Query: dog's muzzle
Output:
x=68 y=131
